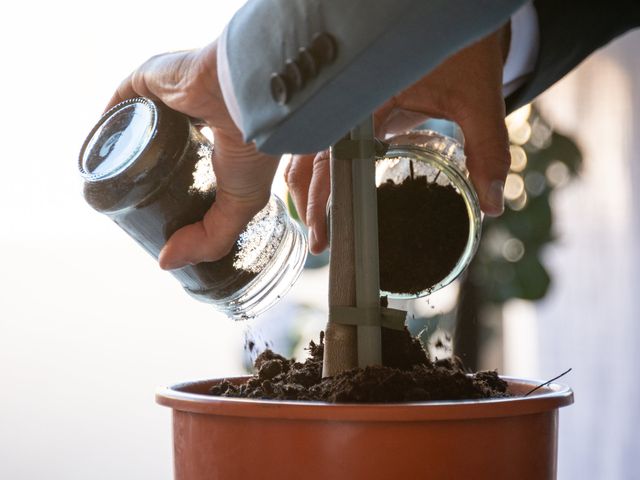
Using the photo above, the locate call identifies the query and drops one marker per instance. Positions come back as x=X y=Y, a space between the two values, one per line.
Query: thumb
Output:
x=211 y=238
x=244 y=178
x=487 y=151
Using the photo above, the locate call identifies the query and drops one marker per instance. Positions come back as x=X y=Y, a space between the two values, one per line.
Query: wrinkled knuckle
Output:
x=187 y=76
x=316 y=211
x=292 y=175
x=321 y=161
x=312 y=206
x=287 y=169
x=137 y=78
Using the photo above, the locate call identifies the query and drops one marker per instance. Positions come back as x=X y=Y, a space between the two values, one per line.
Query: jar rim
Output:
x=118 y=139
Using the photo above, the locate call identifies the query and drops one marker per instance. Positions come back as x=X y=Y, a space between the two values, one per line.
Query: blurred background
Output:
x=90 y=327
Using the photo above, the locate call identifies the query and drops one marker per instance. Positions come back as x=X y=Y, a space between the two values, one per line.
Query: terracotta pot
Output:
x=223 y=438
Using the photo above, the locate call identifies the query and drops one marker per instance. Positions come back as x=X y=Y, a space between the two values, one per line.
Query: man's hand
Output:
x=466 y=88
x=188 y=82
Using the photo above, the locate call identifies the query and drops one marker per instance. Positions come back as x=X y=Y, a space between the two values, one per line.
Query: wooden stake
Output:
x=353 y=266
x=365 y=238
x=340 y=341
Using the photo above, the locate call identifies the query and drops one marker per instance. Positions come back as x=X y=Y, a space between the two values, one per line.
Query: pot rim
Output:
x=184 y=397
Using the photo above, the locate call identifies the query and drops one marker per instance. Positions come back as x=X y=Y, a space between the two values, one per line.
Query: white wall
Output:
x=590 y=319
x=89 y=325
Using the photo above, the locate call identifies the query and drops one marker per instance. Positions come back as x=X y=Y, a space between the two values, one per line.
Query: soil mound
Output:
x=408 y=376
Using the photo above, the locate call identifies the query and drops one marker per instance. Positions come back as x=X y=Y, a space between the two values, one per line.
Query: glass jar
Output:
x=429 y=217
x=149 y=169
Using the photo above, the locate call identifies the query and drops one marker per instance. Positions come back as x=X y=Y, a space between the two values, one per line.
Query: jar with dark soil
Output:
x=149 y=169
x=429 y=219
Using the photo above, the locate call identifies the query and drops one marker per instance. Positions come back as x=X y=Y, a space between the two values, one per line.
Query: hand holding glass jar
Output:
x=467 y=89
x=150 y=169
x=187 y=82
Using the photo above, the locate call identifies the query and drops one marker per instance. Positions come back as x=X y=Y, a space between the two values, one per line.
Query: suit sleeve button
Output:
x=279 y=89
x=324 y=48
x=293 y=75
x=307 y=64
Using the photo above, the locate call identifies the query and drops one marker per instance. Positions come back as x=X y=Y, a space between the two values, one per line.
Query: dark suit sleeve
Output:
x=570 y=30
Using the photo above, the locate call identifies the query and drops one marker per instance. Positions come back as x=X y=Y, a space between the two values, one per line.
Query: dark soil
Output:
x=151 y=207
x=410 y=376
x=423 y=231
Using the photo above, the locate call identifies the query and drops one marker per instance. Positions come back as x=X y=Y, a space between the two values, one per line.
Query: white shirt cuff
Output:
x=224 y=78
x=523 y=51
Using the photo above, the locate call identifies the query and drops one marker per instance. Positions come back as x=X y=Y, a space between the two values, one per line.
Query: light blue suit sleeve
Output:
x=383 y=46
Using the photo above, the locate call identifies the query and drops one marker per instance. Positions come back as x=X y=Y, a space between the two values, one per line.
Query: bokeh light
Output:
x=514 y=186
x=493 y=241
x=520 y=202
x=535 y=183
x=520 y=135
x=518 y=125
x=557 y=174
x=520 y=116
x=513 y=250
x=518 y=158
x=541 y=134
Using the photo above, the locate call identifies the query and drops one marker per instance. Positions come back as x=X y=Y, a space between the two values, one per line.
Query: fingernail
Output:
x=169 y=265
x=495 y=196
x=312 y=239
